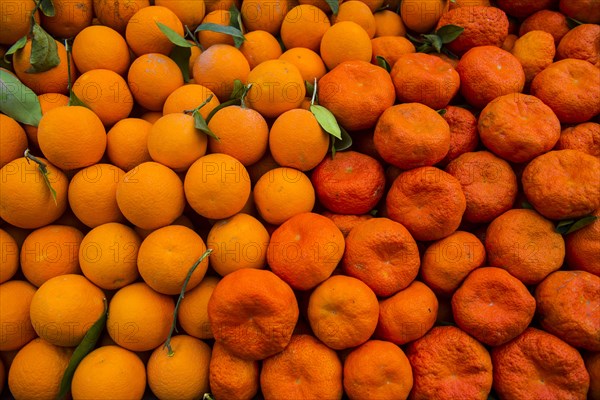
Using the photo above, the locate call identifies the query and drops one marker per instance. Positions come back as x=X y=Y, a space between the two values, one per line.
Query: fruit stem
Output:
x=314 y=93
x=43 y=170
x=171 y=353
x=195 y=110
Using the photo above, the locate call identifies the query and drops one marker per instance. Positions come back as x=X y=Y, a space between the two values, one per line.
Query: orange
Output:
x=13 y=141
x=464 y=136
x=382 y=254
x=100 y=47
x=217 y=186
x=535 y=50
x=429 y=202
x=187 y=98
x=282 y=193
x=377 y=369
x=390 y=48
x=243 y=134
x=277 y=86
x=9 y=262
x=447 y=262
x=525 y=244
x=116 y=13
x=150 y=195
x=108 y=255
x=296 y=140
x=109 y=372
x=152 y=78
x=189 y=12
x=576 y=44
x=421 y=16
x=308 y=62
x=47 y=101
x=568 y=305
x=260 y=46
x=569 y=88
x=408 y=314
x=209 y=38
x=345 y=41
x=304 y=26
x=539 y=128
x=261 y=167
x=509 y=43
x=143 y=34
x=547 y=366
x=212 y=5
x=26 y=200
x=232 y=377
x=322 y=4
x=426 y=79
x=217 y=68
x=106 y=93
x=592 y=363
x=72 y=137
x=305 y=369
x=476 y=19
x=92 y=194
x=346 y=222
x=37 y=370
x=584 y=137
x=193 y=309
x=50 y=251
x=359 y=12
x=238 y=242
x=16 y=20
x=413 y=126
x=253 y=313
x=487 y=72
x=582 y=246
x=166 y=256
x=126 y=143
x=553 y=22
x=522 y=9
x=388 y=23
x=343 y=312
x=265 y=15
x=139 y=319
x=305 y=250
x=54 y=80
x=64 y=308
x=151 y=116
x=69 y=19
x=562 y=184
x=182 y=375
x=447 y=363
x=16 y=328
x=492 y=306
x=175 y=142
x=584 y=10
x=488 y=182
x=469 y=3
x=353 y=87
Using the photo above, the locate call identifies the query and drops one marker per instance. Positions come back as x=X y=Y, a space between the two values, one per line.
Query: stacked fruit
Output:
x=363 y=199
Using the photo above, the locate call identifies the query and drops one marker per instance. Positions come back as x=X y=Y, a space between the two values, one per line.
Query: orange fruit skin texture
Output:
x=152 y=78
x=444 y=354
x=582 y=247
x=253 y=313
x=383 y=254
x=568 y=304
x=484 y=26
x=563 y=184
x=232 y=377
x=390 y=48
x=346 y=222
x=16 y=328
x=193 y=309
x=464 y=136
x=305 y=369
x=357 y=93
x=16 y=22
x=584 y=11
x=421 y=15
x=553 y=22
x=100 y=47
x=535 y=356
x=576 y=44
x=9 y=263
x=116 y=14
x=535 y=50
x=584 y=137
x=13 y=140
x=525 y=244
x=592 y=363
x=389 y=374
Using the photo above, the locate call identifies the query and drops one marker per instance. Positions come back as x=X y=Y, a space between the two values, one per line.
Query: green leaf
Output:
x=435 y=41
x=449 y=33
x=76 y=101
x=44 y=52
x=181 y=56
x=327 y=120
x=382 y=62
x=47 y=8
x=581 y=223
x=442 y=111
x=238 y=90
x=83 y=349
x=235 y=18
x=345 y=143
x=334 y=5
x=373 y=212
x=563 y=226
x=173 y=36
x=45 y=173
x=19 y=44
x=573 y=23
x=228 y=30
x=201 y=125
x=18 y=101
x=309 y=88
x=425 y=48
x=221 y=106
x=526 y=205
x=414 y=39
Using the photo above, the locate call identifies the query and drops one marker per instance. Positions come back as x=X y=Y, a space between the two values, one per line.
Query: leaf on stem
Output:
x=327 y=120
x=18 y=101
x=226 y=29
x=173 y=36
x=18 y=45
x=569 y=226
x=44 y=52
x=382 y=62
x=334 y=5
x=449 y=33
x=47 y=8
x=44 y=171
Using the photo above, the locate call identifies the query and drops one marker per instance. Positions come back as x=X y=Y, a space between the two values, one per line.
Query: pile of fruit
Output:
x=311 y=199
